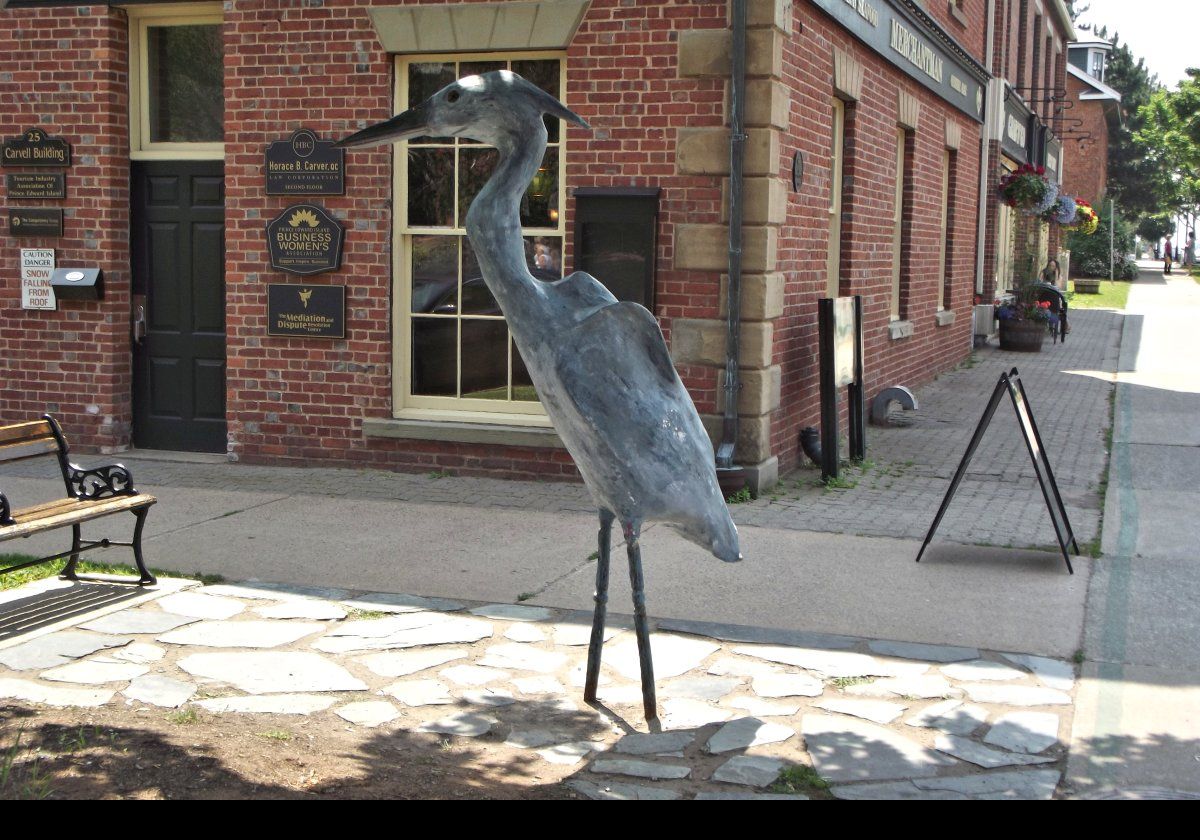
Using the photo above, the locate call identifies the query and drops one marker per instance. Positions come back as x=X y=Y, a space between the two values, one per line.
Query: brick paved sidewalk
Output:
x=909 y=465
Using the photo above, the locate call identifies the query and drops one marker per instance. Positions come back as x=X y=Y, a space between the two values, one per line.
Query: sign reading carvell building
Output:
x=904 y=35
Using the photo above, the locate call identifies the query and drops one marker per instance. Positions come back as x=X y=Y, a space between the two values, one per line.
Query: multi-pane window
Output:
x=455 y=350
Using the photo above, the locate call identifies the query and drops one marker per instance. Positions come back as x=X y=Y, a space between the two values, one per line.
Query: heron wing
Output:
x=634 y=431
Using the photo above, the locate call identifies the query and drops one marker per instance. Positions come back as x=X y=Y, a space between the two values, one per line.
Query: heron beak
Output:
x=412 y=123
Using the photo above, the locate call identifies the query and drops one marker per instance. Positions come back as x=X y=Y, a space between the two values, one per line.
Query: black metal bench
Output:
x=91 y=494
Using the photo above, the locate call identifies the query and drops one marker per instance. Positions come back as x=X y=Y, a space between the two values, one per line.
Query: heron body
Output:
x=600 y=366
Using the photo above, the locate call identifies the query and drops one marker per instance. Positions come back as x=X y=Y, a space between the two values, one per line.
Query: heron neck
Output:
x=494 y=228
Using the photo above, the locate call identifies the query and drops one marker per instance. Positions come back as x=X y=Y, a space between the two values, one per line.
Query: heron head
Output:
x=489 y=108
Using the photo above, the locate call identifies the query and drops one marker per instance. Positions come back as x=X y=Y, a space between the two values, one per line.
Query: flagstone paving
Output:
x=877 y=719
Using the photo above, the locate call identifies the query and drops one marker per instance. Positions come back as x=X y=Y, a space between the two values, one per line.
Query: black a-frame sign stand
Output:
x=1010 y=383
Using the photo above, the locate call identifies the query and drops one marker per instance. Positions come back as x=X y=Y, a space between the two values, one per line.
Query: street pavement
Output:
x=1138 y=725
x=818 y=561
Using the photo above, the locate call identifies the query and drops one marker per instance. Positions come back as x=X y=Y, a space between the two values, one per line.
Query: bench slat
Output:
x=28 y=448
x=20 y=431
x=45 y=517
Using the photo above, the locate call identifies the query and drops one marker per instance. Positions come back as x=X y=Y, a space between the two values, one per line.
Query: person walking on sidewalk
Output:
x=1167 y=255
x=1189 y=250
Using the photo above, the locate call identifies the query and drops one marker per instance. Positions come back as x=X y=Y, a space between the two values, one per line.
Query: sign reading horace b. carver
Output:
x=304 y=239
x=305 y=165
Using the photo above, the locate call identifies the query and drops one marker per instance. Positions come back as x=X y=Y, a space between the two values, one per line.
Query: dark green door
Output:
x=178 y=252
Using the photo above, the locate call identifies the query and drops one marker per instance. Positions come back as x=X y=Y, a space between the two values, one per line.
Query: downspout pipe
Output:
x=737 y=145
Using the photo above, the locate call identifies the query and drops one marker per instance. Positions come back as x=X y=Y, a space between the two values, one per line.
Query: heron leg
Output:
x=640 y=623
x=601 y=599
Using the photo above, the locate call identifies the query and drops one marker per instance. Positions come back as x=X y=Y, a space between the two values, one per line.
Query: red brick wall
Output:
x=64 y=69
x=292 y=399
x=1085 y=167
x=808 y=67
x=968 y=26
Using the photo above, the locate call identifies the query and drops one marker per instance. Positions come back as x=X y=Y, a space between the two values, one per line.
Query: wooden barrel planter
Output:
x=1022 y=336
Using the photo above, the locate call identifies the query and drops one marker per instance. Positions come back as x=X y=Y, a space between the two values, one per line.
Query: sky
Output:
x=1166 y=33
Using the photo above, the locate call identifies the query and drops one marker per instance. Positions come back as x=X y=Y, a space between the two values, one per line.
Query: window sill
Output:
x=945 y=317
x=492 y=434
x=901 y=329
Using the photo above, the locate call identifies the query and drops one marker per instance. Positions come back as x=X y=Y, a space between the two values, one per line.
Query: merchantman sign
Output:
x=35 y=148
x=304 y=239
x=305 y=165
x=902 y=33
x=306 y=311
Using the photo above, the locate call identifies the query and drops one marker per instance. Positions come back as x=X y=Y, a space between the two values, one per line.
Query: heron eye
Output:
x=452 y=96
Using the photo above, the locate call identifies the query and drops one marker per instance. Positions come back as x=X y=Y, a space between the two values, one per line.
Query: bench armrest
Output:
x=101 y=482
x=5 y=511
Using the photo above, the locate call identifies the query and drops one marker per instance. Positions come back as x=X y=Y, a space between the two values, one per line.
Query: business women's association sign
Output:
x=305 y=239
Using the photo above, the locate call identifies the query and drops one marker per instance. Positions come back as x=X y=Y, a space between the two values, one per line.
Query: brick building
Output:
x=1028 y=63
x=1094 y=103
x=862 y=175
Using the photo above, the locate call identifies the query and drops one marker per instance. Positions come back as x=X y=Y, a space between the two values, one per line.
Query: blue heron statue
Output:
x=600 y=366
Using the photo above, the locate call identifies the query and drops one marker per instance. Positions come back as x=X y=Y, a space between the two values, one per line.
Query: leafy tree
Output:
x=1089 y=254
x=1169 y=139
x=1154 y=228
x=1133 y=176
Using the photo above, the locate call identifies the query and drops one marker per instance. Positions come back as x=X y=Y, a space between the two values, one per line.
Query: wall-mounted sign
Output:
x=36 y=148
x=37 y=264
x=1016 y=133
x=906 y=36
x=304 y=239
x=305 y=165
x=797 y=171
x=1054 y=158
x=35 y=184
x=35 y=221
x=313 y=311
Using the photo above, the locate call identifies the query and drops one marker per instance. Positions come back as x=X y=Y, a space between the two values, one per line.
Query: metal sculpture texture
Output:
x=600 y=366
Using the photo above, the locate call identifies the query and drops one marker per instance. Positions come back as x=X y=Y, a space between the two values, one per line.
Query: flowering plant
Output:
x=1027 y=309
x=1062 y=211
x=1028 y=190
x=1086 y=220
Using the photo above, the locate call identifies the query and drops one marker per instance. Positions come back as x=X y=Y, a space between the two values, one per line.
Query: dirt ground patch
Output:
x=156 y=754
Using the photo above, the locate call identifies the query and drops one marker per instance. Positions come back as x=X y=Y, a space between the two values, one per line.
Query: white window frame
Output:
x=837 y=164
x=453 y=409
x=142 y=18
x=946 y=157
x=898 y=223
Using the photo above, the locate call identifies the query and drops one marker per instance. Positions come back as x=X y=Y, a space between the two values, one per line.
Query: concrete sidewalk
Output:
x=1138 y=729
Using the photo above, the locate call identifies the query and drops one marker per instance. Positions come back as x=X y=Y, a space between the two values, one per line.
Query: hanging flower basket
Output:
x=1062 y=212
x=1028 y=191
x=1086 y=221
